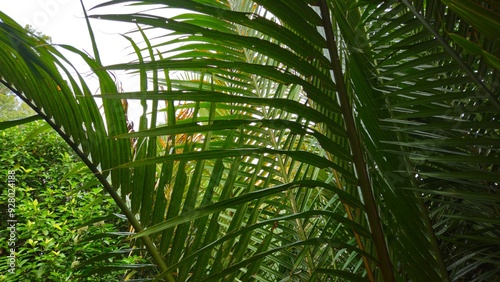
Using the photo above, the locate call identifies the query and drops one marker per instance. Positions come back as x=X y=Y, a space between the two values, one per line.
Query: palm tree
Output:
x=288 y=140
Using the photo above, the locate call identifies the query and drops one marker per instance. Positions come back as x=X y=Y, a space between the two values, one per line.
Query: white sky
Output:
x=64 y=21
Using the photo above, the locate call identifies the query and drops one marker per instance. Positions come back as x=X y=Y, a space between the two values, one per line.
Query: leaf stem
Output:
x=359 y=162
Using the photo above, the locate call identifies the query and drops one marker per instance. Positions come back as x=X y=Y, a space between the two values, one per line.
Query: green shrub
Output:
x=52 y=208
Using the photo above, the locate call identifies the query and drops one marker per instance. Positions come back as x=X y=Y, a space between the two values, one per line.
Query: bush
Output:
x=53 y=208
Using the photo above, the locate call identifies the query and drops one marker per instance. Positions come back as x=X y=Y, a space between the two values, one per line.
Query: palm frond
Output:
x=301 y=141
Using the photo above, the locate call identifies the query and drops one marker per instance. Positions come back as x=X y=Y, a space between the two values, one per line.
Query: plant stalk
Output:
x=356 y=148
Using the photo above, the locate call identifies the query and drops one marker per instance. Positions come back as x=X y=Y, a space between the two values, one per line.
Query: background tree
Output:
x=38 y=34
x=11 y=107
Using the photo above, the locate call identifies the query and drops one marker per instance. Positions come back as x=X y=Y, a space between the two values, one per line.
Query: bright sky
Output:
x=64 y=21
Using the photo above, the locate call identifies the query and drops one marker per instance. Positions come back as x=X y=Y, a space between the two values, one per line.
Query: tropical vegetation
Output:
x=61 y=217
x=289 y=140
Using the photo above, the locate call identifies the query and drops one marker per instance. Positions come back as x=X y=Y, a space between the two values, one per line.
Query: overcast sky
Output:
x=64 y=21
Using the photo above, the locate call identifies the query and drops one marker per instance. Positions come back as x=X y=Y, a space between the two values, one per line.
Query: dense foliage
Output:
x=57 y=203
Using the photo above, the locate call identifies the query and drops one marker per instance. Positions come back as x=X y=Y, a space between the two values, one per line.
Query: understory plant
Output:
x=61 y=216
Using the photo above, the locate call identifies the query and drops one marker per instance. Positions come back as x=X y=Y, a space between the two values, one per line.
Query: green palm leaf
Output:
x=301 y=141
